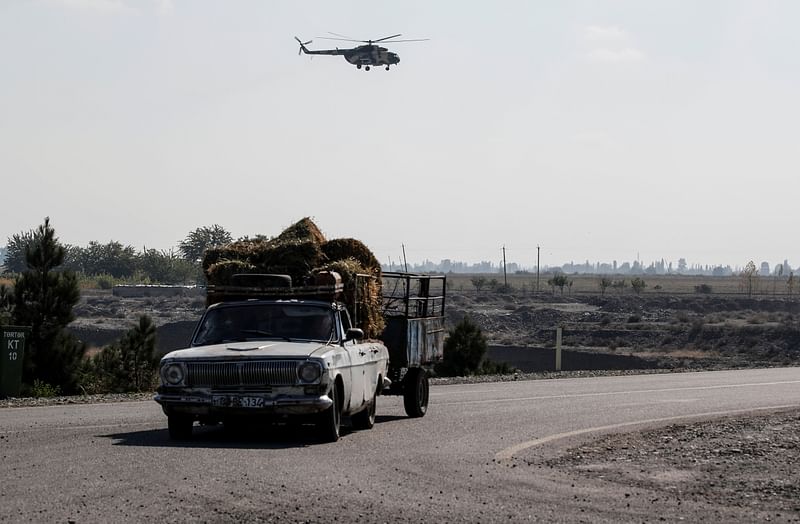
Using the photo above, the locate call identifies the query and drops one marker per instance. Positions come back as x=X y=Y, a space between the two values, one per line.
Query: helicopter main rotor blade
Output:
x=343 y=36
x=341 y=39
x=386 y=38
x=412 y=40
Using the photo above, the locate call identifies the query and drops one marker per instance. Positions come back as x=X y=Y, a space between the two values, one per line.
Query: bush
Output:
x=695 y=329
x=105 y=282
x=638 y=285
x=489 y=367
x=464 y=350
x=702 y=288
x=41 y=389
x=634 y=319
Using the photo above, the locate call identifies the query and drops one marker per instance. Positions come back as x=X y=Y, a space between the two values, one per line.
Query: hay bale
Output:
x=362 y=296
x=296 y=258
x=244 y=250
x=303 y=230
x=220 y=273
x=343 y=248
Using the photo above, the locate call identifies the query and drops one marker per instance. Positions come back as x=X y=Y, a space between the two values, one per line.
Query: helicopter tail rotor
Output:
x=302 y=46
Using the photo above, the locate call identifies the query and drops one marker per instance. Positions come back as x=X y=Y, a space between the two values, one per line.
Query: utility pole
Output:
x=405 y=262
x=537 y=268
x=505 y=276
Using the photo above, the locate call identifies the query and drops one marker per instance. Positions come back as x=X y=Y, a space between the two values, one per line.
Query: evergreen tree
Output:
x=137 y=348
x=127 y=365
x=43 y=299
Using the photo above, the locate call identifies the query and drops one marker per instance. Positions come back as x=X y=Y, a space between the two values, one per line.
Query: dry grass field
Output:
x=655 y=284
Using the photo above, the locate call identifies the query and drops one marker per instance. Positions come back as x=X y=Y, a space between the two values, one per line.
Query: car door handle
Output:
x=374 y=351
x=362 y=353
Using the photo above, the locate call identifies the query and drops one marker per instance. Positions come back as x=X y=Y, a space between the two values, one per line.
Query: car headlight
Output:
x=309 y=372
x=172 y=374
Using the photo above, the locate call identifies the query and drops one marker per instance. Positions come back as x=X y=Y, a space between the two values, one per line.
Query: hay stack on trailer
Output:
x=302 y=252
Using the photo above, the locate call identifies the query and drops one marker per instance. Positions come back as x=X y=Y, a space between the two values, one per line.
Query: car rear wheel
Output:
x=365 y=419
x=330 y=420
x=180 y=427
x=415 y=392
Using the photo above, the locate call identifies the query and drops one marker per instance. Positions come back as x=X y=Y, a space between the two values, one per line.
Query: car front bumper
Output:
x=240 y=403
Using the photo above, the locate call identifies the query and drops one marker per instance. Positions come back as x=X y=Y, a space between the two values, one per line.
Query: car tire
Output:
x=330 y=420
x=415 y=392
x=180 y=427
x=365 y=419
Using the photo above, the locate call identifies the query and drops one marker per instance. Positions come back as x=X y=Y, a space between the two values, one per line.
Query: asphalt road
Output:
x=471 y=458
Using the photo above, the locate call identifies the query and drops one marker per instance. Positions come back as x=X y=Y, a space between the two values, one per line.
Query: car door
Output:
x=359 y=358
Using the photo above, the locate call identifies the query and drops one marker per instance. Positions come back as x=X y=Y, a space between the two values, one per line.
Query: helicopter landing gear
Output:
x=387 y=68
x=358 y=66
x=367 y=68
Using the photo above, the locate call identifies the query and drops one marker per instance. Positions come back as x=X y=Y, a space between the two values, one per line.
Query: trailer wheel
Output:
x=415 y=392
x=330 y=420
x=180 y=427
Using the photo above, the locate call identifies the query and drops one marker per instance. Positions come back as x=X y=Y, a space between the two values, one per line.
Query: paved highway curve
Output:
x=469 y=459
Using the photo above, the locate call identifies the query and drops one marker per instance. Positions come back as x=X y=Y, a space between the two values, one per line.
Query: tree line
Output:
x=44 y=292
x=119 y=261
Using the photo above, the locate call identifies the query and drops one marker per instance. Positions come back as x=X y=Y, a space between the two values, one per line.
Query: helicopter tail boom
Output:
x=304 y=49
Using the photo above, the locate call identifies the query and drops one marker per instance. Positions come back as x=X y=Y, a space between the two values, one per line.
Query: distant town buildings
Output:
x=659 y=267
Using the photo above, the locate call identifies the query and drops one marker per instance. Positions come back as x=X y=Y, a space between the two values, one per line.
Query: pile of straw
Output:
x=301 y=251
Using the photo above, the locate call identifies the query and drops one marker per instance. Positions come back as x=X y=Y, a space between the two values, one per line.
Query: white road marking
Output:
x=609 y=393
x=657 y=401
x=509 y=452
x=448 y=393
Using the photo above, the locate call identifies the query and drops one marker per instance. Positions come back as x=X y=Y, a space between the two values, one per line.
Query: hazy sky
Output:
x=597 y=129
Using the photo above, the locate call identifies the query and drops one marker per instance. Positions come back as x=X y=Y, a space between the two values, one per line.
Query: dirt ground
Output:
x=672 y=331
x=746 y=468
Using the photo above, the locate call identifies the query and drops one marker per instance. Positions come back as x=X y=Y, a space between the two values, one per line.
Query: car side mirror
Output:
x=354 y=334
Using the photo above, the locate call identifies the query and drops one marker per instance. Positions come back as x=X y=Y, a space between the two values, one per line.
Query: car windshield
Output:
x=241 y=323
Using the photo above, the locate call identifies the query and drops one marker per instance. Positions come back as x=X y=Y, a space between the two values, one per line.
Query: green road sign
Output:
x=12 y=348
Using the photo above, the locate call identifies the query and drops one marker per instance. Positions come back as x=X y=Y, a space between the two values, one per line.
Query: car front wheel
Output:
x=330 y=420
x=365 y=419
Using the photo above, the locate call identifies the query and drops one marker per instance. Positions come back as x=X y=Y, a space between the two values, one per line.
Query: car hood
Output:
x=252 y=349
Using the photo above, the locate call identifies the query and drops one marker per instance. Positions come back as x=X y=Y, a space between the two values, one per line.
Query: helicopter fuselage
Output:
x=371 y=55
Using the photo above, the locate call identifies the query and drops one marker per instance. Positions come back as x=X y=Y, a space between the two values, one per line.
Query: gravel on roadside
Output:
x=749 y=462
x=28 y=402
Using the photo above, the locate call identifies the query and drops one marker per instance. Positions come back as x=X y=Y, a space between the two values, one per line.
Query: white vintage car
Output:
x=265 y=358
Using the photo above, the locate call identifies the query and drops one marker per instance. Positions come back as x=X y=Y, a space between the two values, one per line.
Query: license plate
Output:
x=235 y=401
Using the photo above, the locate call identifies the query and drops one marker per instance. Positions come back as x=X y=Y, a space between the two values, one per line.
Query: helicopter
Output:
x=365 y=56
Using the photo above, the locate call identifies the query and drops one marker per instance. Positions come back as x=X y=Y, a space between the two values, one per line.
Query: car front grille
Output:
x=257 y=373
